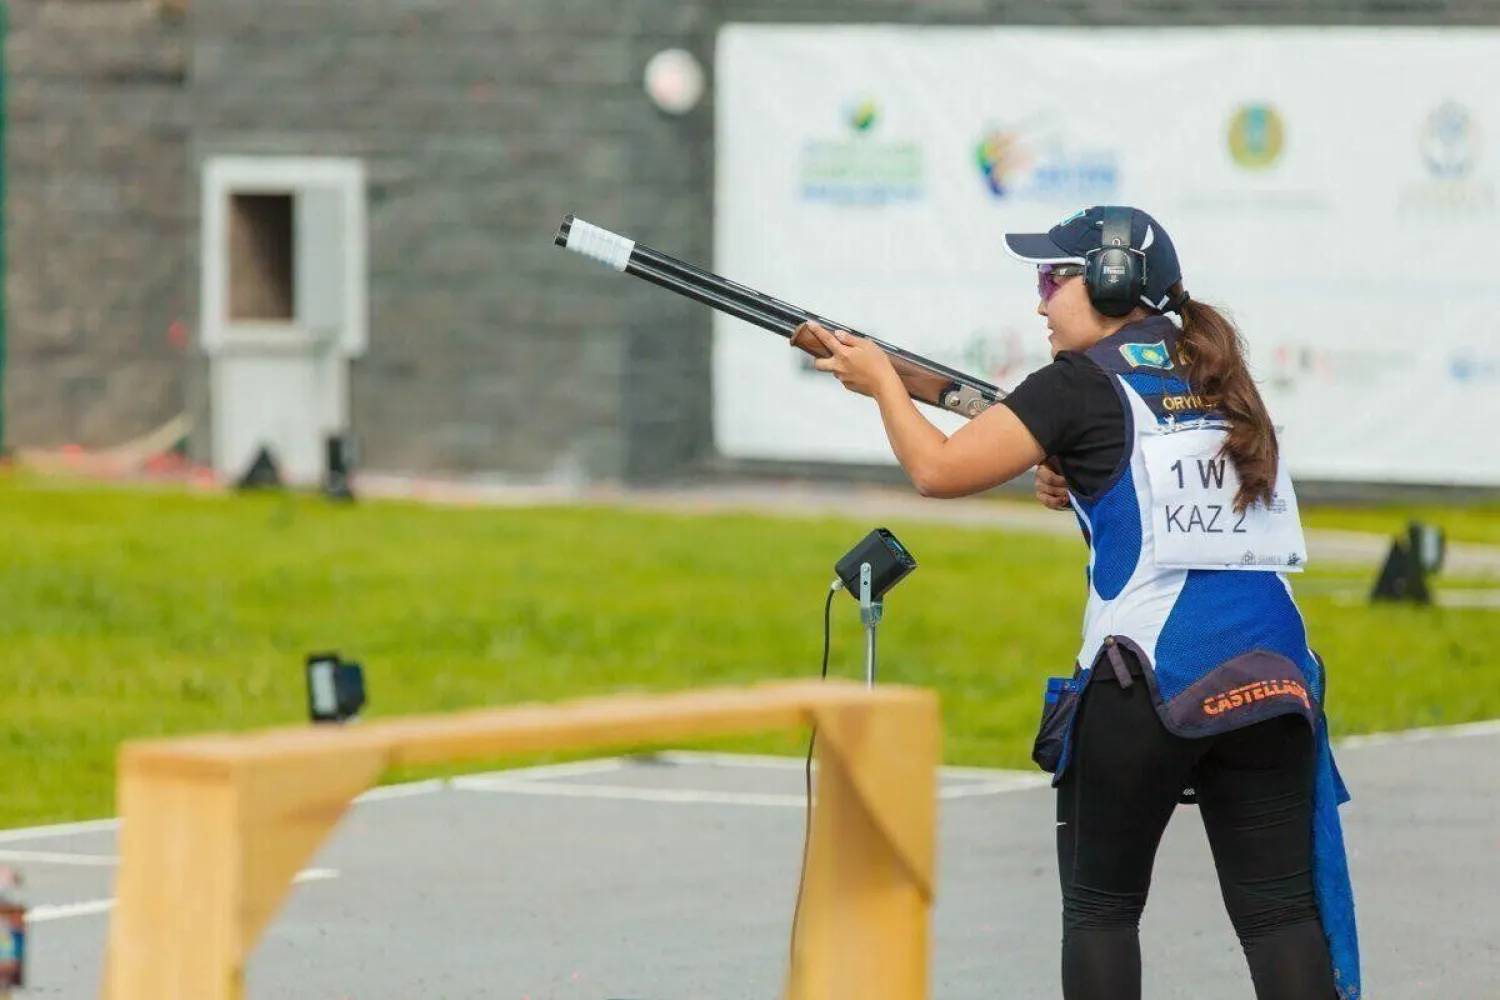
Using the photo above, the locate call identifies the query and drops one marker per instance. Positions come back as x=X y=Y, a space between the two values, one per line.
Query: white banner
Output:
x=1332 y=188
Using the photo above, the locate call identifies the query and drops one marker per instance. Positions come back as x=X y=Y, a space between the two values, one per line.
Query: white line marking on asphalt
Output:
x=91 y=907
x=408 y=790
x=798 y=763
x=1488 y=727
x=58 y=830
x=994 y=787
x=63 y=911
x=568 y=769
x=382 y=793
x=702 y=796
x=692 y=796
x=54 y=858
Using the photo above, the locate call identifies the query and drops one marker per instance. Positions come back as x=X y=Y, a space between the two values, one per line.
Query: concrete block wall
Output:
x=97 y=270
x=481 y=126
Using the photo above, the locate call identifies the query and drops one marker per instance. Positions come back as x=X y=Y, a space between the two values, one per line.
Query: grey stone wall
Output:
x=481 y=124
x=95 y=217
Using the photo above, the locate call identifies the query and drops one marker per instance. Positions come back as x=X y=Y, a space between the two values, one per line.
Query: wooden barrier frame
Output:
x=215 y=827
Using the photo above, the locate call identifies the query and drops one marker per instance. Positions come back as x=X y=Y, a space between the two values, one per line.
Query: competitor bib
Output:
x=1192 y=508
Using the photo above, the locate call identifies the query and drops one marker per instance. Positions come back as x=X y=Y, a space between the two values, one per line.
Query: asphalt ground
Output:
x=674 y=876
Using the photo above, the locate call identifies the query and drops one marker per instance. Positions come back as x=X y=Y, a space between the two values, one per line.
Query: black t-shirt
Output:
x=1075 y=413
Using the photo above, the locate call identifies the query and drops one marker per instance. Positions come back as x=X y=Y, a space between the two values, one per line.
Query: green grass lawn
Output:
x=140 y=612
x=1475 y=523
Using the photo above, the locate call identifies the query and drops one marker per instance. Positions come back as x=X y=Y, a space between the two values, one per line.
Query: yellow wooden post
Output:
x=863 y=930
x=209 y=845
x=214 y=828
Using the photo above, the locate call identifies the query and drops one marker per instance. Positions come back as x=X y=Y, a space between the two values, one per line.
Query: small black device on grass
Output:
x=1411 y=560
x=338 y=466
x=335 y=689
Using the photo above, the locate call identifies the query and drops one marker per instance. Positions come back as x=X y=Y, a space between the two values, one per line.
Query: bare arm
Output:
x=992 y=448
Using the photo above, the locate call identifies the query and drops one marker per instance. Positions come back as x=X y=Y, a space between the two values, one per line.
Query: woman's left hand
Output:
x=860 y=364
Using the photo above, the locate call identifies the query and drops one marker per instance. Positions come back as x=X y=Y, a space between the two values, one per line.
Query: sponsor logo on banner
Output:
x=1014 y=165
x=1296 y=365
x=859 y=167
x=1449 y=144
x=1256 y=135
x=1254 y=139
x=1003 y=357
x=1449 y=141
x=863 y=115
x=1468 y=367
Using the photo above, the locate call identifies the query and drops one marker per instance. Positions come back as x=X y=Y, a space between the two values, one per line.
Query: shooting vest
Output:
x=1197 y=591
x=1200 y=594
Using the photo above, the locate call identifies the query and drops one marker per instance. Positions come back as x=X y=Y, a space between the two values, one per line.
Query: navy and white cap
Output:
x=1070 y=241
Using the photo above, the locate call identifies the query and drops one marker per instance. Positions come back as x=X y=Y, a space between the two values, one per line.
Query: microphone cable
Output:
x=812 y=738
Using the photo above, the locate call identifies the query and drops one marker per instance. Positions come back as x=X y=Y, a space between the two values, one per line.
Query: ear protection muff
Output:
x=1115 y=274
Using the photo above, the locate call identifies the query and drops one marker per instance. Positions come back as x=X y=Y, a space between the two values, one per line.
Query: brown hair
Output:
x=1214 y=354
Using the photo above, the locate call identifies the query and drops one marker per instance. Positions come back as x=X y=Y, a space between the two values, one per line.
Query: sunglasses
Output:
x=1048 y=275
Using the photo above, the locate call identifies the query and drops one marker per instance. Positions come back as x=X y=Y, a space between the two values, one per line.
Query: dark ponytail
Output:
x=1214 y=354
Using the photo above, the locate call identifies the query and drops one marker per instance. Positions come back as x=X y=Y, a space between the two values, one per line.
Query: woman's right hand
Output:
x=1051 y=487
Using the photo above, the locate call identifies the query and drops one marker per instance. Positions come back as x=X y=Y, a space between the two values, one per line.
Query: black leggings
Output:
x=1254 y=790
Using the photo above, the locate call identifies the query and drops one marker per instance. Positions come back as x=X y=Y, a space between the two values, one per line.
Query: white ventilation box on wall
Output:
x=283 y=306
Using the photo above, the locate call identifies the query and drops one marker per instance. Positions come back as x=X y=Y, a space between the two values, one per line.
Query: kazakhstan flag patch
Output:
x=1147 y=355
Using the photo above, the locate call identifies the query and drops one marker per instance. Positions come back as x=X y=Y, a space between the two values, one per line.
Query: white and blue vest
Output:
x=1201 y=594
